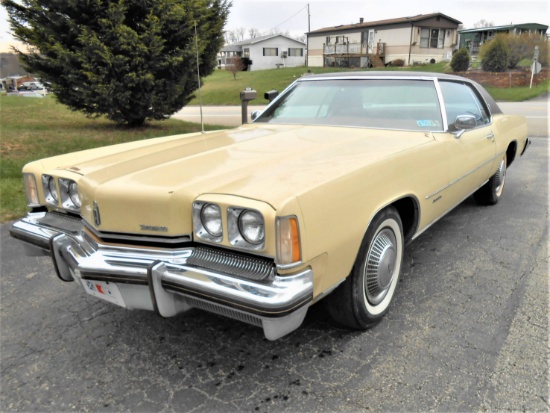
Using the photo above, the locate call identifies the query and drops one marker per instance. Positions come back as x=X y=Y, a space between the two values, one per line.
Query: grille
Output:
x=224 y=311
x=252 y=268
x=66 y=222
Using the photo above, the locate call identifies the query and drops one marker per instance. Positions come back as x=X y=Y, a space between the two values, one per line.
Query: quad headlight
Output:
x=207 y=221
x=245 y=227
x=211 y=219
x=50 y=189
x=63 y=190
x=69 y=194
x=251 y=227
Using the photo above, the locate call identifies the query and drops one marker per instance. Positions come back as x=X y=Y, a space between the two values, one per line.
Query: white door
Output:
x=371 y=42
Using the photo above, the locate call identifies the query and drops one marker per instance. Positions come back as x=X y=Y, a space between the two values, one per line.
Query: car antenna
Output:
x=199 y=76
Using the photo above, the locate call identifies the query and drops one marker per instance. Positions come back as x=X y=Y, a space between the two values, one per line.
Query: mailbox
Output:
x=272 y=94
x=248 y=94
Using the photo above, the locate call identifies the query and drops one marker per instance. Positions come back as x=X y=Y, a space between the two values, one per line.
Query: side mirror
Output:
x=464 y=123
x=255 y=114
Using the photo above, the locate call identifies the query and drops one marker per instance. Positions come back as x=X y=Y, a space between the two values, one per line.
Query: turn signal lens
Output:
x=288 y=241
x=31 y=190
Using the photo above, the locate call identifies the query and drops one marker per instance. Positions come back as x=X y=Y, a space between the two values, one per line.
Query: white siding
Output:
x=261 y=62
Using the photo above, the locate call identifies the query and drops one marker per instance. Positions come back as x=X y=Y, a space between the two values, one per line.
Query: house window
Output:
x=328 y=39
x=295 y=51
x=246 y=52
x=271 y=51
x=432 y=38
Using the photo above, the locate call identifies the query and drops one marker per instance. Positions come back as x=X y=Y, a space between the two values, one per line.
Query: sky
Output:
x=291 y=15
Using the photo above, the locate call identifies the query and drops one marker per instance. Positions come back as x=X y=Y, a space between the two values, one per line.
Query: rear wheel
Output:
x=365 y=296
x=490 y=193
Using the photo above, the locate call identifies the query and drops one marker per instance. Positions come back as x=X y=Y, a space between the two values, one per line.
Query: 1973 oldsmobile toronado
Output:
x=316 y=199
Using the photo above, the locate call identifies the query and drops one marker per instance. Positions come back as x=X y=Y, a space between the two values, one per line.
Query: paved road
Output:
x=536 y=112
x=468 y=331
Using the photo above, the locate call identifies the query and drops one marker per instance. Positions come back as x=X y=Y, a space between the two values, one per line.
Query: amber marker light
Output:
x=31 y=190
x=288 y=241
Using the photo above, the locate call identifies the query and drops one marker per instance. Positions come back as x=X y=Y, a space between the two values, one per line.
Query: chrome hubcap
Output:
x=500 y=177
x=380 y=266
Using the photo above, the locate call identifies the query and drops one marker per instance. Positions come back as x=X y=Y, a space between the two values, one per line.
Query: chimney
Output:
x=361 y=20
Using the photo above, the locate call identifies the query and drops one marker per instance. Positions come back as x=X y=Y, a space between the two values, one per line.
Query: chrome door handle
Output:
x=490 y=136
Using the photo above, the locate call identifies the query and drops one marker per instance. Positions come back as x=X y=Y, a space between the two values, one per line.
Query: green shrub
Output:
x=495 y=55
x=461 y=60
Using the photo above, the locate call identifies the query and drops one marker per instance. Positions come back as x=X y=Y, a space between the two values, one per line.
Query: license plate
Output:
x=105 y=290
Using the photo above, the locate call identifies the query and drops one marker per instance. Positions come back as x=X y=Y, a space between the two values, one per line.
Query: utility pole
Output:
x=307 y=35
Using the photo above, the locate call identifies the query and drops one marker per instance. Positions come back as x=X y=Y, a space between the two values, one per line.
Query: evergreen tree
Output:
x=130 y=60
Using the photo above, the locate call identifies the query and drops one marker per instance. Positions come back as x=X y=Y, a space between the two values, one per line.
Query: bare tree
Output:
x=252 y=33
x=234 y=65
x=239 y=33
x=483 y=23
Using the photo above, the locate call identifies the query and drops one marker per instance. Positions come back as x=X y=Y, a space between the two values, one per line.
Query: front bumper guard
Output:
x=161 y=279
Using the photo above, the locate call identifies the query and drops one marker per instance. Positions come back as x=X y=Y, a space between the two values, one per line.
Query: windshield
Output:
x=372 y=103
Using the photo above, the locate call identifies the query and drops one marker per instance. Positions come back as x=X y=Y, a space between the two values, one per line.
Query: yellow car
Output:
x=316 y=199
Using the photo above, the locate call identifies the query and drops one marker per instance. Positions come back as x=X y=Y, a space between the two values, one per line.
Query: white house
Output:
x=417 y=39
x=266 y=52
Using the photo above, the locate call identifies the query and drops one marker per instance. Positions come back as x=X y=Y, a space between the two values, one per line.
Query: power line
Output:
x=290 y=18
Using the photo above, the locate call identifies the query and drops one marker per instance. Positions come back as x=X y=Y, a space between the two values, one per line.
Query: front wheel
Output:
x=490 y=193
x=365 y=296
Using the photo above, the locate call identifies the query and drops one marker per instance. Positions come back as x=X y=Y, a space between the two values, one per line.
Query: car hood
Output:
x=269 y=163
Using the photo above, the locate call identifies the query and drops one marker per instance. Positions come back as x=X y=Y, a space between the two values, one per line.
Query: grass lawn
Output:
x=519 y=94
x=221 y=88
x=35 y=128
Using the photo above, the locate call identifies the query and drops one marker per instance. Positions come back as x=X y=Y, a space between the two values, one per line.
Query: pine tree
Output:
x=130 y=60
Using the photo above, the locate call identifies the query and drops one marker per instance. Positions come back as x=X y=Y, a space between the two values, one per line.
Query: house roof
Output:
x=507 y=27
x=387 y=22
x=237 y=47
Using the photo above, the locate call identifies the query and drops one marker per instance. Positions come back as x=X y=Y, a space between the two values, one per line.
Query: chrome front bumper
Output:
x=169 y=281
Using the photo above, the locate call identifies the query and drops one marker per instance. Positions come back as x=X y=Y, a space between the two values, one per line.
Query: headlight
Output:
x=69 y=194
x=211 y=218
x=207 y=221
x=73 y=194
x=50 y=189
x=246 y=228
x=251 y=227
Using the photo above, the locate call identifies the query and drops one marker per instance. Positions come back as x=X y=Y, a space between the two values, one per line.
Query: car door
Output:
x=471 y=152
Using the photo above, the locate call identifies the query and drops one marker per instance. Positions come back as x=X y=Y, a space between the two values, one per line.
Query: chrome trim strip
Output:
x=116 y=237
x=415 y=236
x=464 y=176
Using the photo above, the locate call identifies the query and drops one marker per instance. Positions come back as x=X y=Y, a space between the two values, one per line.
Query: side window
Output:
x=461 y=99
